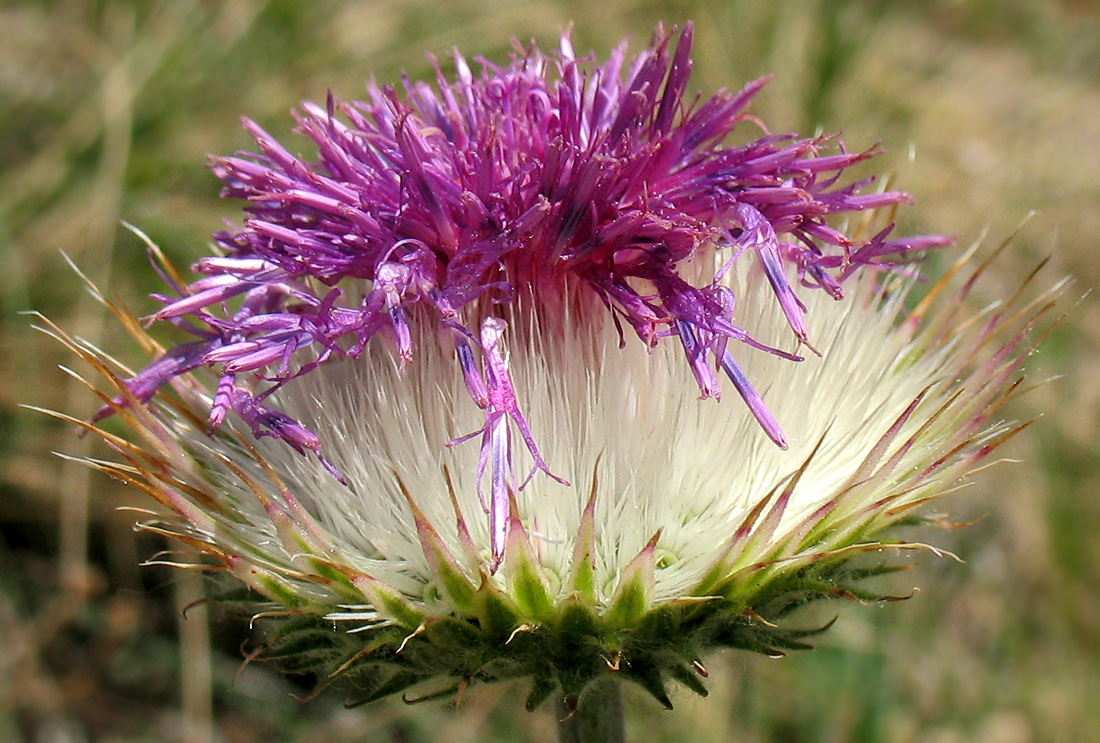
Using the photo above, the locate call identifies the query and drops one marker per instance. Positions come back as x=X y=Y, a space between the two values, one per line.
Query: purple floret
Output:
x=544 y=178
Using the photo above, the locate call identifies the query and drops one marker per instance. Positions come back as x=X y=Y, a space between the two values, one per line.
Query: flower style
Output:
x=459 y=264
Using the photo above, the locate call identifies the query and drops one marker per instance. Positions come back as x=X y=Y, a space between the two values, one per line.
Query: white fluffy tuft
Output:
x=627 y=416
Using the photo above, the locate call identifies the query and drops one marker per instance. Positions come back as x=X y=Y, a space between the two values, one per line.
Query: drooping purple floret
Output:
x=546 y=175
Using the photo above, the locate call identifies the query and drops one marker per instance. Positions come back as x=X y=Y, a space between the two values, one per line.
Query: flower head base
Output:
x=460 y=264
x=551 y=184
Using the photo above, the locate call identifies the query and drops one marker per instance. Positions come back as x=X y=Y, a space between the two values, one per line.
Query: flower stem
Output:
x=598 y=717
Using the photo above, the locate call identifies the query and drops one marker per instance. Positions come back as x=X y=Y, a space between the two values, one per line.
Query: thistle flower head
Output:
x=462 y=262
x=551 y=186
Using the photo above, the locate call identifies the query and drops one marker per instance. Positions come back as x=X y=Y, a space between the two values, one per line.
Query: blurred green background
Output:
x=989 y=109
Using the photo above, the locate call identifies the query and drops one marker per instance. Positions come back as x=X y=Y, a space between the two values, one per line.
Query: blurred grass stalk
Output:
x=116 y=99
x=196 y=679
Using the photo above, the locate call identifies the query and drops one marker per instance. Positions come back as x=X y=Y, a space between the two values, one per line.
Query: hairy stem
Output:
x=598 y=717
